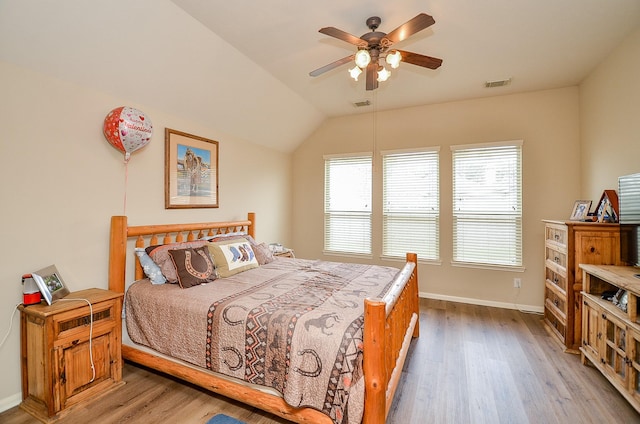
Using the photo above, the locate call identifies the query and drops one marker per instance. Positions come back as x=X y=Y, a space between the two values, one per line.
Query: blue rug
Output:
x=224 y=419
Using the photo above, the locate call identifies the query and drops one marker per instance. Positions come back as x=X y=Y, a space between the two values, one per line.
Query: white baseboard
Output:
x=516 y=306
x=10 y=402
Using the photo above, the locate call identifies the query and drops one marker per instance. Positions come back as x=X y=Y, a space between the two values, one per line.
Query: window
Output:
x=487 y=204
x=347 y=204
x=410 y=211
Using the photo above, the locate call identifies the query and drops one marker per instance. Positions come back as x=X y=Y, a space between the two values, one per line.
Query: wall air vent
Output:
x=362 y=103
x=499 y=83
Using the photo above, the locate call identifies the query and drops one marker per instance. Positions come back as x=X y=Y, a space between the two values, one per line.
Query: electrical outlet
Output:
x=517 y=283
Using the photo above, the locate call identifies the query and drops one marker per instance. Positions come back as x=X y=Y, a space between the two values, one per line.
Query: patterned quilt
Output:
x=293 y=325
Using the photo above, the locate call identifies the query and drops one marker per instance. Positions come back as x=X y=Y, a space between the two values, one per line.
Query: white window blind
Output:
x=347 y=204
x=411 y=209
x=487 y=204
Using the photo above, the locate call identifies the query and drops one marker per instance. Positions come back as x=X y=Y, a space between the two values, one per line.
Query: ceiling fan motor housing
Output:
x=373 y=22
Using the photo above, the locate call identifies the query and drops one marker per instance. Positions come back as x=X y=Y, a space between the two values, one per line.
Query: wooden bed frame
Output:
x=389 y=325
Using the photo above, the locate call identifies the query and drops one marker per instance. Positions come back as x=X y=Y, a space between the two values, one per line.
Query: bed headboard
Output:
x=147 y=235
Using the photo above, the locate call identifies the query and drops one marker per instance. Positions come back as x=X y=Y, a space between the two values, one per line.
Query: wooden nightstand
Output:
x=55 y=355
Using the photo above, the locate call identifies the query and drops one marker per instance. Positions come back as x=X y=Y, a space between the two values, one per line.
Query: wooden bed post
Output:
x=117 y=253
x=414 y=292
x=251 y=216
x=374 y=364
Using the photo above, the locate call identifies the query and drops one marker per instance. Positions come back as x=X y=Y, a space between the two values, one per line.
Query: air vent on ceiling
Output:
x=499 y=83
x=362 y=103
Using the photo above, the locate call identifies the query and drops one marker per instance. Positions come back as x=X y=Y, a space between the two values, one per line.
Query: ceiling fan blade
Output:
x=409 y=28
x=372 y=75
x=344 y=36
x=420 y=60
x=331 y=66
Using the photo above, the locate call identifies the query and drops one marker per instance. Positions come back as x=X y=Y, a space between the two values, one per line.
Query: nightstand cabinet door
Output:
x=75 y=377
x=59 y=345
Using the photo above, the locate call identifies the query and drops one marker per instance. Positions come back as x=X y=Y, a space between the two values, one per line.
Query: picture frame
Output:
x=50 y=283
x=191 y=171
x=580 y=210
x=608 y=208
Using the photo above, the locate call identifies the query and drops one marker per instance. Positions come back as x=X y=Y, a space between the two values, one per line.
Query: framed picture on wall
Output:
x=580 y=210
x=191 y=171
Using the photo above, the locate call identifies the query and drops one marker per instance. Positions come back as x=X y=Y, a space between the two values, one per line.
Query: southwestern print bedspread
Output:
x=293 y=325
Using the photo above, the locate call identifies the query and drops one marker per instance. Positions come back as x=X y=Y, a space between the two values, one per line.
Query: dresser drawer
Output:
x=556 y=260
x=556 y=278
x=556 y=234
x=556 y=323
x=555 y=301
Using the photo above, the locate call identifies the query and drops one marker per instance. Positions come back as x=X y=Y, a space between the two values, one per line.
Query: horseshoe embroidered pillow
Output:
x=194 y=266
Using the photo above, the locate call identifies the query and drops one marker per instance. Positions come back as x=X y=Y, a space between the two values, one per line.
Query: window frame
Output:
x=431 y=219
x=346 y=215
x=477 y=217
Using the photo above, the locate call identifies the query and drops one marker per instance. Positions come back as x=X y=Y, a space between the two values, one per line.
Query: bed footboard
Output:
x=389 y=325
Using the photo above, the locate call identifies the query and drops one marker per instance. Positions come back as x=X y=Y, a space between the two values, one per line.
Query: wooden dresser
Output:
x=59 y=344
x=567 y=245
x=611 y=335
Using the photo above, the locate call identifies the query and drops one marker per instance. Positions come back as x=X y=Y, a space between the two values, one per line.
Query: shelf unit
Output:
x=567 y=245
x=611 y=339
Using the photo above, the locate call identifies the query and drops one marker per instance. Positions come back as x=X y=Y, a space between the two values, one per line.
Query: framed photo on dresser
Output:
x=580 y=210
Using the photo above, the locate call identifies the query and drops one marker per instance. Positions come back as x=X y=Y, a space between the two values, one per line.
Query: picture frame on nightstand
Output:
x=50 y=283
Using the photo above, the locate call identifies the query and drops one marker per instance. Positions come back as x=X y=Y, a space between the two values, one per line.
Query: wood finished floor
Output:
x=471 y=364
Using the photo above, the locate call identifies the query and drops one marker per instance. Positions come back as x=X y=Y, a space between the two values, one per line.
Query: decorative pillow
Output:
x=151 y=269
x=160 y=255
x=194 y=266
x=223 y=236
x=233 y=236
x=264 y=255
x=232 y=256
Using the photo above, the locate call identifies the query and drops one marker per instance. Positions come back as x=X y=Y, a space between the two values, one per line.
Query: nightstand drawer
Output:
x=74 y=324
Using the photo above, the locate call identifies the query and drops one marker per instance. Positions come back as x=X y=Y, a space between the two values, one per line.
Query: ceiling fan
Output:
x=375 y=45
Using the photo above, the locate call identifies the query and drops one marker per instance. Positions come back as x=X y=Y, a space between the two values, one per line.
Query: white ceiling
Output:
x=243 y=74
x=540 y=44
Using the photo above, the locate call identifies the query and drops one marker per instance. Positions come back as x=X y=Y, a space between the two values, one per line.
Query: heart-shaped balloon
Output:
x=127 y=129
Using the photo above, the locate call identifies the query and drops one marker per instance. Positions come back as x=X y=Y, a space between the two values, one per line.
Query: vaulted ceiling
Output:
x=242 y=67
x=539 y=44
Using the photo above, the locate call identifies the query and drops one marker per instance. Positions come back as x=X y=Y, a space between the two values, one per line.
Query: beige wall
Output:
x=610 y=119
x=61 y=182
x=547 y=122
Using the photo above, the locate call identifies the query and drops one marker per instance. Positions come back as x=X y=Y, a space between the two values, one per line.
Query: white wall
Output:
x=547 y=122
x=61 y=181
x=610 y=119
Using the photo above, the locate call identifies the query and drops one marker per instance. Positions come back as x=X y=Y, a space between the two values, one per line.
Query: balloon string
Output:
x=126 y=180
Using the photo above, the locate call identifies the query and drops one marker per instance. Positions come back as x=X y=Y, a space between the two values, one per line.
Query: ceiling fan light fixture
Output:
x=355 y=72
x=383 y=74
x=393 y=58
x=363 y=58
